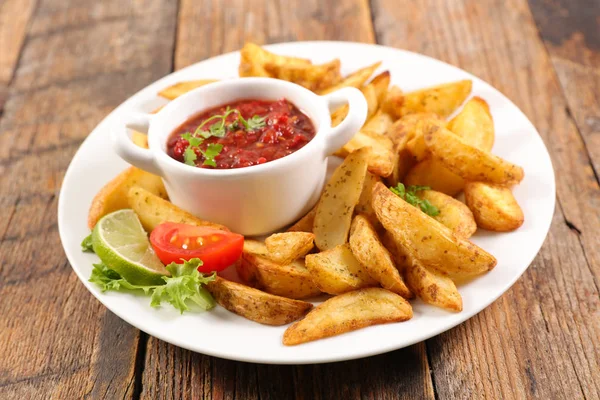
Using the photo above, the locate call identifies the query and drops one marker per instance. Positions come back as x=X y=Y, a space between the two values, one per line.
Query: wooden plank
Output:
x=221 y=27
x=14 y=19
x=58 y=341
x=538 y=339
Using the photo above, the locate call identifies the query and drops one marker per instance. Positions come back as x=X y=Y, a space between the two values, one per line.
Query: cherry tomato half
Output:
x=217 y=249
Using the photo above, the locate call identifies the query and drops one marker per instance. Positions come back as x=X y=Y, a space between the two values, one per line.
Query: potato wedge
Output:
x=371 y=97
x=442 y=100
x=400 y=259
x=406 y=126
x=113 y=196
x=312 y=77
x=139 y=139
x=176 y=90
x=453 y=213
x=337 y=271
x=256 y=305
x=340 y=196
x=392 y=102
x=474 y=124
x=305 y=224
x=433 y=173
x=433 y=288
x=153 y=210
x=256 y=248
x=376 y=259
x=364 y=206
x=379 y=123
x=425 y=239
x=416 y=145
x=494 y=207
x=289 y=246
x=467 y=161
x=357 y=79
x=253 y=58
x=287 y=280
x=349 y=312
x=381 y=83
x=338 y=115
x=380 y=151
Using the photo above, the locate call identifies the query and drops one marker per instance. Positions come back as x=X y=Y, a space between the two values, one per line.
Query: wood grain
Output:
x=14 y=19
x=538 y=339
x=57 y=340
x=401 y=374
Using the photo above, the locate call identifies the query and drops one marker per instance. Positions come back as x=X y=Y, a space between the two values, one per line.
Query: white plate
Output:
x=223 y=334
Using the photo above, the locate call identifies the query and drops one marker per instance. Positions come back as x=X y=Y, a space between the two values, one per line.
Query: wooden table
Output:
x=65 y=64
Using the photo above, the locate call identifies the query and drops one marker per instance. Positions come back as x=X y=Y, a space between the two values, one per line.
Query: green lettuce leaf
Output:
x=86 y=244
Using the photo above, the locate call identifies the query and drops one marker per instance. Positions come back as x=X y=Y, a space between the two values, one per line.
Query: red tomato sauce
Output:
x=285 y=129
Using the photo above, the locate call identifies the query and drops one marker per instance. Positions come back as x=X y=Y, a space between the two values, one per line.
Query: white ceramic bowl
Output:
x=253 y=200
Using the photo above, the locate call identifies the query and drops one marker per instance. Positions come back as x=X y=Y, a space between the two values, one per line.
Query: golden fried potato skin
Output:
x=494 y=207
x=337 y=271
x=433 y=173
x=253 y=59
x=470 y=163
x=312 y=77
x=425 y=239
x=291 y=280
x=364 y=206
x=256 y=305
x=442 y=100
x=349 y=312
x=113 y=196
x=340 y=196
x=288 y=246
x=376 y=259
x=380 y=160
x=474 y=124
x=453 y=213
x=433 y=288
x=380 y=83
x=356 y=79
x=153 y=210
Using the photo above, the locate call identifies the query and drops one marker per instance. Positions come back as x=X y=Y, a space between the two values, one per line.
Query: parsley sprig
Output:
x=409 y=194
x=219 y=129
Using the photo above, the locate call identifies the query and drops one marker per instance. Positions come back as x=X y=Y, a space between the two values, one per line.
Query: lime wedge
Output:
x=122 y=244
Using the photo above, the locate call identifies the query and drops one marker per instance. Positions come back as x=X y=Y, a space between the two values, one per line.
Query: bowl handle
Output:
x=357 y=114
x=127 y=150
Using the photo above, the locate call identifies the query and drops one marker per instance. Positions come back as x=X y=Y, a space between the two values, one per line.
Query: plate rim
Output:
x=383 y=348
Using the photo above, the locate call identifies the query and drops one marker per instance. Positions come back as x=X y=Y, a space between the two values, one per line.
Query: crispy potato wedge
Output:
x=433 y=173
x=256 y=305
x=381 y=83
x=376 y=259
x=392 y=102
x=337 y=271
x=289 y=246
x=305 y=224
x=256 y=248
x=428 y=241
x=416 y=145
x=453 y=213
x=494 y=207
x=400 y=259
x=287 y=280
x=380 y=151
x=113 y=196
x=312 y=77
x=433 y=288
x=340 y=196
x=357 y=79
x=338 y=115
x=467 y=161
x=253 y=59
x=139 y=139
x=364 y=206
x=406 y=126
x=176 y=90
x=379 y=123
x=442 y=100
x=371 y=97
x=474 y=124
x=349 y=312
x=153 y=210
